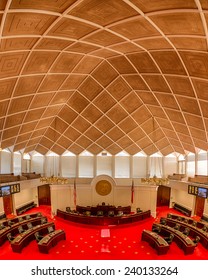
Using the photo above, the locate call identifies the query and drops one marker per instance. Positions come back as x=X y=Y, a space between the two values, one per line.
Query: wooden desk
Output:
x=104 y=220
x=23 y=239
x=104 y=208
x=183 y=241
x=155 y=241
x=14 y=228
x=194 y=230
x=50 y=240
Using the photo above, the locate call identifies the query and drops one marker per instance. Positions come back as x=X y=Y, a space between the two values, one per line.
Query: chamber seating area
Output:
x=20 y=231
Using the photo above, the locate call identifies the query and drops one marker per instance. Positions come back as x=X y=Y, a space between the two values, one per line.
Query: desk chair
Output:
x=169 y=239
x=138 y=210
x=43 y=220
x=29 y=225
x=20 y=229
x=20 y=219
x=120 y=213
x=38 y=236
x=196 y=240
x=50 y=229
x=156 y=229
x=194 y=224
x=27 y=217
x=179 y=219
x=163 y=221
x=10 y=223
x=111 y=213
x=186 y=231
x=205 y=228
x=177 y=227
x=68 y=209
x=10 y=237
x=99 y=213
x=2 y=226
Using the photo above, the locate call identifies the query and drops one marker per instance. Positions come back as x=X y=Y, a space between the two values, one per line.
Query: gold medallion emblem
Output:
x=103 y=187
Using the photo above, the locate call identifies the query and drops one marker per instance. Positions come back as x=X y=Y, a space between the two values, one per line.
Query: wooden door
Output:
x=163 y=196
x=199 y=206
x=44 y=195
x=8 y=205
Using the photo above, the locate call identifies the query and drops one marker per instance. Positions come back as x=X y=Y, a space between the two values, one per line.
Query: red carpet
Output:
x=92 y=243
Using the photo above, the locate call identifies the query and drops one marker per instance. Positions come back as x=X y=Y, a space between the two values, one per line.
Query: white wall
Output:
x=5 y=162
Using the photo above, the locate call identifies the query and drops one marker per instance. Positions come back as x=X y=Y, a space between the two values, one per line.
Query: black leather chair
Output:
x=138 y=210
x=27 y=217
x=10 y=223
x=99 y=213
x=163 y=222
x=50 y=229
x=111 y=213
x=38 y=236
x=186 y=231
x=177 y=227
x=20 y=229
x=68 y=209
x=2 y=226
x=169 y=239
x=196 y=240
x=43 y=220
x=10 y=237
x=29 y=225
x=20 y=219
x=156 y=229
x=205 y=228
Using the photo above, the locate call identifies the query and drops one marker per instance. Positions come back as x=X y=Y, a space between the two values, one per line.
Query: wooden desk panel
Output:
x=155 y=241
x=194 y=230
x=183 y=241
x=23 y=239
x=50 y=240
x=104 y=208
x=103 y=220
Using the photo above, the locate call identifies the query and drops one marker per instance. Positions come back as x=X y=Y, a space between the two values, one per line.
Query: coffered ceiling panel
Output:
x=123 y=75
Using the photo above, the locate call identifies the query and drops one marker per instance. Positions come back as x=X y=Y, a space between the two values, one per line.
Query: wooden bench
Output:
x=25 y=207
x=182 y=209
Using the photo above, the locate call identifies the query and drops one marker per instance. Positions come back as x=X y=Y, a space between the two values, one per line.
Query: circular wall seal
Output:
x=103 y=187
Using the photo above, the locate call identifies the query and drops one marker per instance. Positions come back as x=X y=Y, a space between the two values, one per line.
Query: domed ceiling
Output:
x=104 y=75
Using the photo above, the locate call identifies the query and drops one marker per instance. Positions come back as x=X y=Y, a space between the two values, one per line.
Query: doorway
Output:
x=199 y=206
x=44 y=195
x=163 y=196
x=8 y=204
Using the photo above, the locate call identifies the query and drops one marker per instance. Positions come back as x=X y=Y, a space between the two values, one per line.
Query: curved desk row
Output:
x=184 y=242
x=199 y=224
x=23 y=239
x=155 y=241
x=20 y=218
x=194 y=230
x=103 y=220
x=50 y=240
x=14 y=228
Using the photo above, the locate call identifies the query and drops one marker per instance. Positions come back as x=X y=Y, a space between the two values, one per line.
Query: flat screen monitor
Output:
x=202 y=192
x=5 y=190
